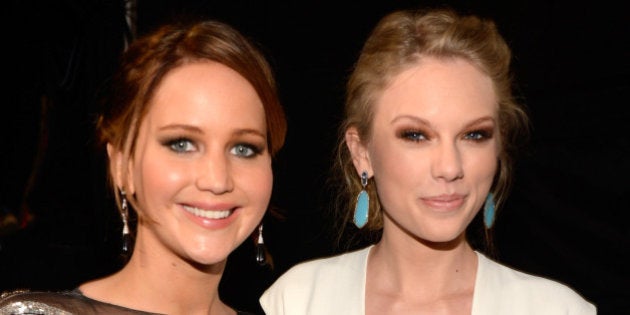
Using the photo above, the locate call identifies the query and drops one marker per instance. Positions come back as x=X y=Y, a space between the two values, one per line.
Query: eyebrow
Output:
x=410 y=117
x=181 y=126
x=477 y=121
x=194 y=129
x=248 y=131
x=481 y=120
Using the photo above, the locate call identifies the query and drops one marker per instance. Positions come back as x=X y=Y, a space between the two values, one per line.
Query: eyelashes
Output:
x=479 y=135
x=180 y=145
x=183 y=145
x=412 y=135
x=418 y=135
x=246 y=150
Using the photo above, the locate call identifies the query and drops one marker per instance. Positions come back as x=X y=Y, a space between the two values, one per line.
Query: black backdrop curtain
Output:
x=566 y=217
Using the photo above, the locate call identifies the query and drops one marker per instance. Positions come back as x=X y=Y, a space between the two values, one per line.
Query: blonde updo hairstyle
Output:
x=399 y=41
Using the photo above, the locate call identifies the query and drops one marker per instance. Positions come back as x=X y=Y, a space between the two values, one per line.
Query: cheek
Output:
x=390 y=159
x=482 y=165
x=394 y=167
x=257 y=183
x=159 y=177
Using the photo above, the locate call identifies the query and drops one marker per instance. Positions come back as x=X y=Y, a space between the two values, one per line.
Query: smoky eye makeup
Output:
x=179 y=138
x=179 y=144
x=411 y=128
x=248 y=143
x=246 y=150
x=412 y=134
x=480 y=134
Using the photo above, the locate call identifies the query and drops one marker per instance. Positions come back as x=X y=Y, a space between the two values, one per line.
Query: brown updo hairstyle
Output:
x=150 y=58
x=399 y=41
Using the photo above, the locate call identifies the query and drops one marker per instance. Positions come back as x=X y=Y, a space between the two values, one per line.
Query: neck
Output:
x=157 y=280
x=177 y=287
x=412 y=265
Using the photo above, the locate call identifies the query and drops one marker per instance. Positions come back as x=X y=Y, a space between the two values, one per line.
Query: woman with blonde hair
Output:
x=427 y=143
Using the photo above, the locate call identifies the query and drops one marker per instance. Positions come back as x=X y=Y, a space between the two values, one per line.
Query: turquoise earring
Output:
x=489 y=211
x=361 y=210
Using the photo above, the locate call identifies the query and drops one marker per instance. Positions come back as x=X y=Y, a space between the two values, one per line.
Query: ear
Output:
x=358 y=151
x=115 y=161
x=116 y=164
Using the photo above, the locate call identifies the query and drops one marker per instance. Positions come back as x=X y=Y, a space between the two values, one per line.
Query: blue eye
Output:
x=244 y=150
x=413 y=135
x=478 y=135
x=181 y=145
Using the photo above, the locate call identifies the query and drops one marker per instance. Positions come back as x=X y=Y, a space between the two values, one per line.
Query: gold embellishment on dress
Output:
x=6 y=294
x=29 y=307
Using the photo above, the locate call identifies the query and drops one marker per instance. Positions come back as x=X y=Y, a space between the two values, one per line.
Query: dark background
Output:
x=567 y=216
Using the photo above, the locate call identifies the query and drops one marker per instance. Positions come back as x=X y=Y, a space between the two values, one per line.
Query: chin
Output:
x=208 y=256
x=442 y=236
x=440 y=243
x=206 y=260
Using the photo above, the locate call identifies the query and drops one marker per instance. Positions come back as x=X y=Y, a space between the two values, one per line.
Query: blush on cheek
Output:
x=174 y=176
x=157 y=177
x=164 y=171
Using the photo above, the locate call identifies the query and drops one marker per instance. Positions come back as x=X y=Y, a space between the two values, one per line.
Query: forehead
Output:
x=205 y=93
x=434 y=85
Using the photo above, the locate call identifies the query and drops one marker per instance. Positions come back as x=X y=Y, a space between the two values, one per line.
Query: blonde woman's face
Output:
x=434 y=150
x=202 y=170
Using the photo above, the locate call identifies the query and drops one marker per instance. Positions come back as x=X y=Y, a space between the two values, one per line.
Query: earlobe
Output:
x=358 y=151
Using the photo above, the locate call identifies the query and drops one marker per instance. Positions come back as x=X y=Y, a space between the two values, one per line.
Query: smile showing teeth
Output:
x=220 y=214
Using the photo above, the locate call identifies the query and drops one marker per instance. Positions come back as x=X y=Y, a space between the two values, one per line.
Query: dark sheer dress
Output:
x=62 y=303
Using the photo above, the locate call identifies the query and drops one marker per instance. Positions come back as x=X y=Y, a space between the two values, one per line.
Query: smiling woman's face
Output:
x=201 y=170
x=434 y=150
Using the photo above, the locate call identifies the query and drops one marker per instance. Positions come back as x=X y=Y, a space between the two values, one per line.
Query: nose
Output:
x=214 y=174
x=447 y=162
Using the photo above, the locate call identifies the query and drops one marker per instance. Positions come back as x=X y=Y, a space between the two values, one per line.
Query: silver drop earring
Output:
x=260 y=247
x=124 y=214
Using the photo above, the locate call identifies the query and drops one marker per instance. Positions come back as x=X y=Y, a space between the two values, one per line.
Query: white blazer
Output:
x=336 y=285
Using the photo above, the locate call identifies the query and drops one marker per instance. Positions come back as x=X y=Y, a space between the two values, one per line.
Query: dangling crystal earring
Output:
x=260 y=247
x=361 y=210
x=489 y=211
x=124 y=214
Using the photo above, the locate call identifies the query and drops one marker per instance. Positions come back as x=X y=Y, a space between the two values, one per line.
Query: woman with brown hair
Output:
x=192 y=125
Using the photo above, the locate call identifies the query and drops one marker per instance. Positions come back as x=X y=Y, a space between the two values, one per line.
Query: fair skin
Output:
x=433 y=155
x=201 y=172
